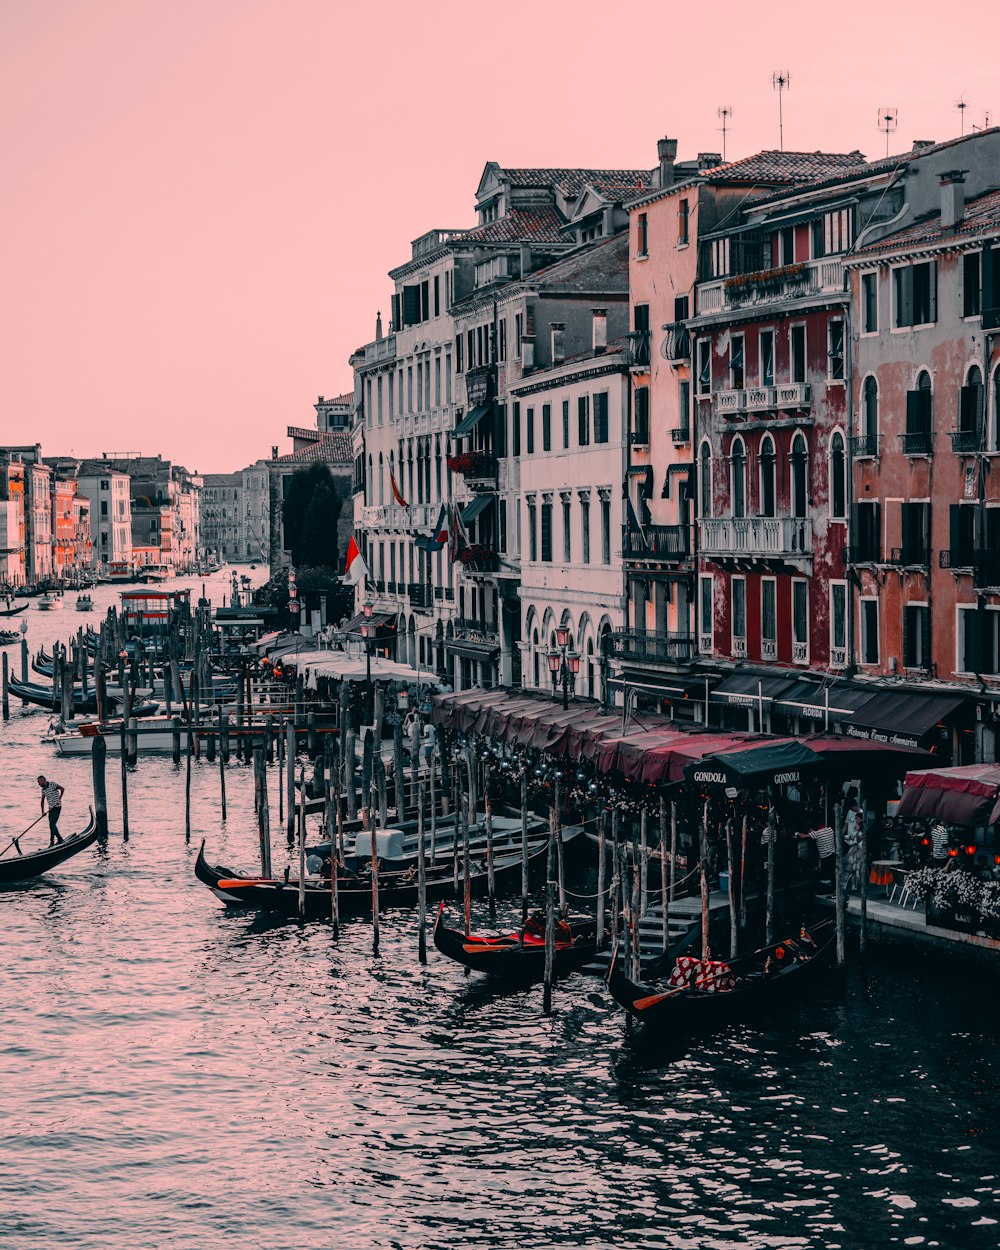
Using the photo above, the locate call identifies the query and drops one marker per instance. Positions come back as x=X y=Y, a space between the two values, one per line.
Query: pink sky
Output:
x=202 y=197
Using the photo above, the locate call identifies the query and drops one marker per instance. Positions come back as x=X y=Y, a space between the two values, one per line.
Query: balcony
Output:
x=762 y=538
x=991 y=318
x=772 y=286
x=381 y=349
x=637 y=349
x=917 y=443
x=957 y=559
x=916 y=555
x=479 y=559
x=639 y=436
x=793 y=395
x=662 y=542
x=681 y=436
x=864 y=446
x=470 y=630
x=677 y=344
x=986 y=570
x=769 y=648
x=760 y=398
x=478 y=468
x=966 y=442
x=421 y=595
x=863 y=553
x=642 y=648
x=730 y=403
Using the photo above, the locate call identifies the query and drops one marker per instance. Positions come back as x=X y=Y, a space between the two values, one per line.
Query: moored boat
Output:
x=25 y=865
x=712 y=992
x=519 y=955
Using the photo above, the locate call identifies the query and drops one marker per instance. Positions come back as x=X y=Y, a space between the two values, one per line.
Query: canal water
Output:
x=178 y=1077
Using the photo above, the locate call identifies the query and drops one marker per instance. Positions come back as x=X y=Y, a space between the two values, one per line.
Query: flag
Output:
x=632 y=525
x=354 y=566
x=397 y=494
x=439 y=535
x=458 y=539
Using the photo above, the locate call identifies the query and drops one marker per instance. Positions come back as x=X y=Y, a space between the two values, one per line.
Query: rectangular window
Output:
x=704 y=367
x=916 y=533
x=437 y=296
x=585 y=528
x=529 y=430
x=583 y=420
x=547 y=533
x=425 y=303
x=515 y=443
x=739 y=587
x=447 y=377
x=605 y=531
x=565 y=419
x=867 y=532
x=642 y=235
x=963 y=527
x=104 y=507
x=546 y=427
x=916 y=636
x=798 y=354
x=800 y=620
x=459 y=357
x=502 y=516
x=503 y=339
x=869 y=303
x=470 y=348
x=684 y=408
x=532 y=533
x=838 y=623
x=518 y=333
x=736 y=360
x=786 y=245
x=768 y=618
x=601 y=417
x=705 y=614
x=835 y=351
x=869 y=631
x=971 y=289
x=914 y=295
x=683 y=221
x=682 y=305
x=420 y=390
x=767 y=357
x=567 y=542
x=437 y=381
x=640 y=417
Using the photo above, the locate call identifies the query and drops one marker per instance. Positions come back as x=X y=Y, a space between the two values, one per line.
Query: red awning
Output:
x=667 y=763
x=968 y=795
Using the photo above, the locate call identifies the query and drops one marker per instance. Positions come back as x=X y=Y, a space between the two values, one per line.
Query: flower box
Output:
x=958 y=918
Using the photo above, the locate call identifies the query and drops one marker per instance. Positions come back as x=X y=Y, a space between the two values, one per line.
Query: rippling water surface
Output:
x=177 y=1076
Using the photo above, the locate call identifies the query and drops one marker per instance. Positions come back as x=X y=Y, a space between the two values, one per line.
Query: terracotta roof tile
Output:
x=334 y=448
x=536 y=225
x=572 y=181
x=982 y=216
x=772 y=166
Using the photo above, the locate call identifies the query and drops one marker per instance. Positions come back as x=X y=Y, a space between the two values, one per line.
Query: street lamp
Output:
x=368 y=633
x=564 y=664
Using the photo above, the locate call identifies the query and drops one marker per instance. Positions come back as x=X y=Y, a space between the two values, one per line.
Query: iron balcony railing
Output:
x=646 y=648
x=657 y=542
x=956 y=558
x=421 y=594
x=917 y=443
x=966 y=442
x=914 y=555
x=864 y=445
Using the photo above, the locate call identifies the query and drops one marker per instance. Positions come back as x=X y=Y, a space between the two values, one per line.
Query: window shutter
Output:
x=990 y=279
x=411 y=305
x=912 y=412
x=396 y=322
x=932 y=290
x=925 y=637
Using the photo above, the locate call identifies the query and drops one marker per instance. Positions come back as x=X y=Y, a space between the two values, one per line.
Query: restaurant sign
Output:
x=880 y=735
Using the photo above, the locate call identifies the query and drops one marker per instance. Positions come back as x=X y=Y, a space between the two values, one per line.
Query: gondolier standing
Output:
x=52 y=793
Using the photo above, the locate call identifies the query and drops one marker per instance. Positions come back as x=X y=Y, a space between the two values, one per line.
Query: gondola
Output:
x=396 y=889
x=34 y=863
x=14 y=611
x=505 y=955
x=8 y=637
x=46 y=697
x=728 y=992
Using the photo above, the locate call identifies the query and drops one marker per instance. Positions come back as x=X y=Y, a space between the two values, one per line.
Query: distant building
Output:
x=255 y=512
x=108 y=492
x=13 y=528
x=221 y=510
x=156 y=484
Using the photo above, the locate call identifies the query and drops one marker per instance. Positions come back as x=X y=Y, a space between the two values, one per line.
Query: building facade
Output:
x=108 y=492
x=221 y=515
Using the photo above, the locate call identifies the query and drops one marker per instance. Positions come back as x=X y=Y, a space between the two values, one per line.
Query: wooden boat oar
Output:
x=14 y=841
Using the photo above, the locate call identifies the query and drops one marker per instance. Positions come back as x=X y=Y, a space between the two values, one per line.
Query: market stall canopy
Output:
x=968 y=795
x=667 y=763
x=780 y=762
x=854 y=757
x=901 y=717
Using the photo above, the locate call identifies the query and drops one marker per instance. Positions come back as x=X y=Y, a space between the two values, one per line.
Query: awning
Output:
x=473 y=509
x=667 y=763
x=748 y=689
x=378 y=619
x=968 y=795
x=471 y=419
x=817 y=699
x=778 y=763
x=661 y=685
x=847 y=757
x=472 y=650
x=901 y=718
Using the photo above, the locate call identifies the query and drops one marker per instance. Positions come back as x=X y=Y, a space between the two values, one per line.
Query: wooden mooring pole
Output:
x=98 y=760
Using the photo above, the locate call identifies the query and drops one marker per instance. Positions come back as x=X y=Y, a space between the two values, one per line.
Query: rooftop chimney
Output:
x=600 y=330
x=557 y=329
x=952 y=198
x=920 y=144
x=709 y=160
x=666 y=152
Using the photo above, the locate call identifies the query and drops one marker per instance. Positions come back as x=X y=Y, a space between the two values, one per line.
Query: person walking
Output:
x=52 y=793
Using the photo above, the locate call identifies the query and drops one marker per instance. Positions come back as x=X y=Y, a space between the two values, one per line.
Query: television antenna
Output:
x=888 y=120
x=961 y=106
x=781 y=82
x=986 y=122
x=725 y=112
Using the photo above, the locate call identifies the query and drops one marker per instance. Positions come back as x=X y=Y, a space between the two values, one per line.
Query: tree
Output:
x=310 y=512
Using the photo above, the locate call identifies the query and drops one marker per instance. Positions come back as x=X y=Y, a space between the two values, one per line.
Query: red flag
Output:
x=354 y=566
x=397 y=494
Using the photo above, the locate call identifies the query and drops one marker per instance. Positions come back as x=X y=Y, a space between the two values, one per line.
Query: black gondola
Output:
x=34 y=863
x=13 y=611
x=504 y=955
x=46 y=697
x=396 y=889
x=758 y=982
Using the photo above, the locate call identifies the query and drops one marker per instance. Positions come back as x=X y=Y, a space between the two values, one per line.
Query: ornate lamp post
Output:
x=368 y=633
x=564 y=664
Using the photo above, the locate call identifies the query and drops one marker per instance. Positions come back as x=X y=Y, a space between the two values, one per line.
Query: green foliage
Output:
x=310 y=513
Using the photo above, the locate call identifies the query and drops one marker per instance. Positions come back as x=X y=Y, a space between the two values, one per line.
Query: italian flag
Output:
x=354 y=566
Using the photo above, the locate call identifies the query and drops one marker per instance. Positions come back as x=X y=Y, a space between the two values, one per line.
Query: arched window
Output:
x=381 y=480
x=534 y=655
x=838 y=477
x=870 y=415
x=738 y=470
x=370 y=484
x=767 y=465
x=970 y=407
x=800 y=476
x=590 y=668
x=705 y=480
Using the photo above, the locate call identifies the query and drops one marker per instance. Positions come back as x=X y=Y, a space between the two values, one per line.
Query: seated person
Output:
x=534 y=926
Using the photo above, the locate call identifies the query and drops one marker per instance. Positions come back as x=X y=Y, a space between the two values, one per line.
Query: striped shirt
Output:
x=51 y=795
x=939 y=841
x=824 y=840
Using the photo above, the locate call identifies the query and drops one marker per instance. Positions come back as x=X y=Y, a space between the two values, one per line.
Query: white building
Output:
x=255 y=512
x=107 y=489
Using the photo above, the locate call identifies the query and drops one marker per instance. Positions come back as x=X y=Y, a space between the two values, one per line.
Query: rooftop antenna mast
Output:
x=725 y=112
x=961 y=106
x=986 y=122
x=781 y=83
x=888 y=120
